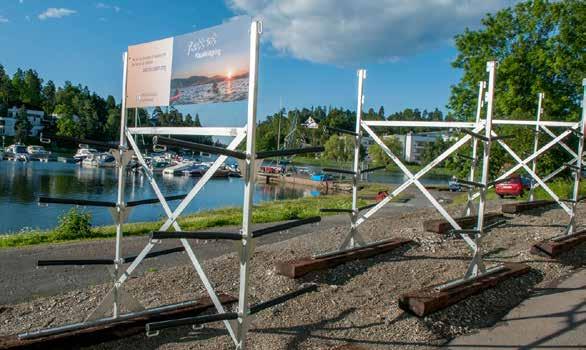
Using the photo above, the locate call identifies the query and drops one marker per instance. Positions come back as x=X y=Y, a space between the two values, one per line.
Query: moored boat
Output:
x=83 y=152
x=38 y=152
x=17 y=152
x=99 y=160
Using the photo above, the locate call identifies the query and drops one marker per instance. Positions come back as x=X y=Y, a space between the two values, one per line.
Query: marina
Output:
x=21 y=183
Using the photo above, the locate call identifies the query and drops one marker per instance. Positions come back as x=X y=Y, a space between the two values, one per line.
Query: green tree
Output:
x=339 y=148
x=31 y=95
x=379 y=156
x=3 y=110
x=48 y=96
x=7 y=95
x=22 y=126
x=539 y=46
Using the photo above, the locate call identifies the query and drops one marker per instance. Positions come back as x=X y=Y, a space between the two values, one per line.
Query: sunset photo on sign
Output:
x=212 y=65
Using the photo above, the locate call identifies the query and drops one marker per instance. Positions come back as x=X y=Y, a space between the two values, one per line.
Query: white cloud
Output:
x=101 y=5
x=350 y=31
x=53 y=12
x=3 y=19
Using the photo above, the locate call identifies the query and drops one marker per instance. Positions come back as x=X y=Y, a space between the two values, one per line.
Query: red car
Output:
x=513 y=186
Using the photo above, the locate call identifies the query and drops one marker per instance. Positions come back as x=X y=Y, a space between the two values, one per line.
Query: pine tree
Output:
x=22 y=126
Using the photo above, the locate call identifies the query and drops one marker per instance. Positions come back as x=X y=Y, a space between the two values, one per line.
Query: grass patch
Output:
x=73 y=225
x=437 y=171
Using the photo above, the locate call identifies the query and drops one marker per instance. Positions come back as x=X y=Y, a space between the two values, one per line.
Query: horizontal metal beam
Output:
x=188 y=131
x=369 y=170
x=461 y=281
x=342 y=131
x=281 y=299
x=534 y=122
x=474 y=134
x=336 y=210
x=282 y=227
x=196 y=235
x=153 y=327
x=73 y=262
x=420 y=124
x=341 y=171
x=155 y=254
x=288 y=152
x=160 y=140
x=154 y=200
x=497 y=181
x=502 y=137
x=470 y=183
x=368 y=206
x=83 y=202
x=99 y=144
x=105 y=321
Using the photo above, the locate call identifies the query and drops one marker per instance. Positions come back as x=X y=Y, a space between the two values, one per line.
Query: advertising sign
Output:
x=208 y=66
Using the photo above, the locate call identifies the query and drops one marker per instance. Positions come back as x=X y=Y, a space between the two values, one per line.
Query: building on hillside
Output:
x=414 y=143
x=310 y=123
x=7 y=124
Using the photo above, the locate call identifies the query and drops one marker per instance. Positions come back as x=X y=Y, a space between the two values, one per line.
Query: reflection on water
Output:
x=223 y=91
x=22 y=183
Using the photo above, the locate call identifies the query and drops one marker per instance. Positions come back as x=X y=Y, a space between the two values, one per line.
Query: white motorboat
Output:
x=38 y=152
x=83 y=152
x=99 y=160
x=17 y=152
x=177 y=169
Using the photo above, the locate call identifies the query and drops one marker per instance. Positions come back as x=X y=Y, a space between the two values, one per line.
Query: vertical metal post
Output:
x=471 y=175
x=477 y=266
x=536 y=144
x=249 y=179
x=120 y=203
x=356 y=164
x=579 y=163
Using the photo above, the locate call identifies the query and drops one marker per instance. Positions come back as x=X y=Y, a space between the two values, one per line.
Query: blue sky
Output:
x=310 y=49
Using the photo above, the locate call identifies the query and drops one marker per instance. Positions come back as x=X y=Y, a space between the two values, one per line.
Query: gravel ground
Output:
x=356 y=303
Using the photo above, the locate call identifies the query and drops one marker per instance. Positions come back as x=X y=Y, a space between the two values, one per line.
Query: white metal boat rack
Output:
x=480 y=130
x=119 y=210
x=236 y=323
x=576 y=165
x=353 y=240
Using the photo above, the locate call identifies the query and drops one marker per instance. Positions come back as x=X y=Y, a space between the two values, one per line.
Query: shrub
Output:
x=74 y=224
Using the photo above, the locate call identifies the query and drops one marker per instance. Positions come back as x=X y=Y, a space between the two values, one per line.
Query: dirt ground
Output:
x=356 y=302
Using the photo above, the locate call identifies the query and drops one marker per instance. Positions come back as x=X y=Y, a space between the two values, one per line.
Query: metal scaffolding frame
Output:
x=480 y=130
x=575 y=165
x=236 y=323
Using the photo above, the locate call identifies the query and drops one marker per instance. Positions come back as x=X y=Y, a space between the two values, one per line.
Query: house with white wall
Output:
x=8 y=124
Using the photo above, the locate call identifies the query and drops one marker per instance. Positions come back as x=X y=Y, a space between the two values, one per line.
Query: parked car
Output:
x=454 y=185
x=528 y=182
x=513 y=186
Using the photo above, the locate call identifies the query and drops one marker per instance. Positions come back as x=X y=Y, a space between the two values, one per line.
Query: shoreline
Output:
x=355 y=304
x=265 y=212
